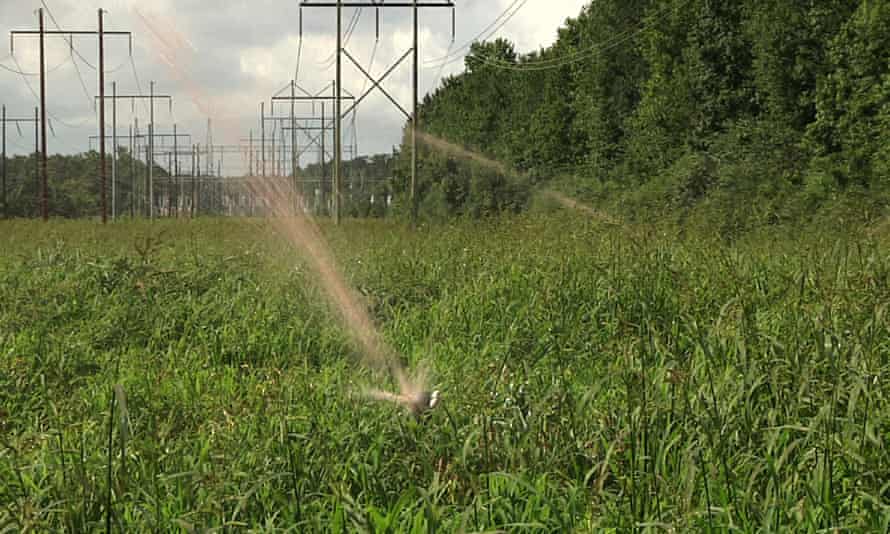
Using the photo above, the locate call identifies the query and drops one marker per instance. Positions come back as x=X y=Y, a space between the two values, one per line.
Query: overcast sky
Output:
x=220 y=58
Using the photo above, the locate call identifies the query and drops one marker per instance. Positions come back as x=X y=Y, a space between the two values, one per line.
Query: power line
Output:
x=138 y=83
x=350 y=27
x=447 y=58
x=74 y=49
x=577 y=56
x=34 y=74
x=82 y=83
x=37 y=99
x=299 y=56
x=69 y=40
x=442 y=67
x=370 y=65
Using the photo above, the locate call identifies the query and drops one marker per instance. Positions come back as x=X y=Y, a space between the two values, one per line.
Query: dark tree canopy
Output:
x=678 y=101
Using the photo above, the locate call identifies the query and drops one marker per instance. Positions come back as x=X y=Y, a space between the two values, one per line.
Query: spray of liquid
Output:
x=573 y=204
x=448 y=147
x=303 y=233
x=300 y=230
x=174 y=50
x=458 y=151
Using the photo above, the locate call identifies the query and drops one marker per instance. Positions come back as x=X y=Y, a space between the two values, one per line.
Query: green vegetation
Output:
x=594 y=376
x=73 y=186
x=74 y=189
x=724 y=368
x=745 y=113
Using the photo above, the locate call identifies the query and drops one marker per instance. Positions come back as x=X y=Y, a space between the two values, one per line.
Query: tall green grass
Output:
x=178 y=376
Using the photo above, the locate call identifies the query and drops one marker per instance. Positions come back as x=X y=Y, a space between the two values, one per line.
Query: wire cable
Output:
x=34 y=74
x=139 y=85
x=28 y=150
x=299 y=56
x=70 y=41
x=466 y=46
x=37 y=99
x=441 y=67
x=350 y=27
x=370 y=66
x=461 y=53
x=577 y=56
x=83 y=84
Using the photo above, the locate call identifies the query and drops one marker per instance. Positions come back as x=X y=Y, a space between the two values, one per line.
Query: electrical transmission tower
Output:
x=151 y=136
x=151 y=97
x=4 y=120
x=42 y=33
x=375 y=84
x=311 y=98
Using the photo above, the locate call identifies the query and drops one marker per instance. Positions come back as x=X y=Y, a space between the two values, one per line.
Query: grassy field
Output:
x=186 y=376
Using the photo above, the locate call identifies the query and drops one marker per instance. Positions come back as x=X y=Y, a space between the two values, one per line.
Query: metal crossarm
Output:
x=377 y=4
x=375 y=84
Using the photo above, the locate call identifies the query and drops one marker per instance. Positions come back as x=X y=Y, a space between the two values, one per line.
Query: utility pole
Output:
x=414 y=5
x=194 y=180
x=209 y=148
x=281 y=154
x=42 y=33
x=151 y=151
x=414 y=76
x=196 y=190
x=168 y=191
x=321 y=182
x=250 y=155
x=103 y=169
x=282 y=151
x=263 y=136
x=37 y=158
x=5 y=206
x=114 y=150
x=132 y=175
x=293 y=150
x=337 y=123
x=272 y=154
x=4 y=120
x=176 y=174
x=138 y=187
x=44 y=204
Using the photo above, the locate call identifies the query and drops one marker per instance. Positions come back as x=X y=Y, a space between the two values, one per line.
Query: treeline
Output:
x=672 y=104
x=73 y=186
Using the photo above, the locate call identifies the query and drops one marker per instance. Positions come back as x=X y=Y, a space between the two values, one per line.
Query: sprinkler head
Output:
x=422 y=402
